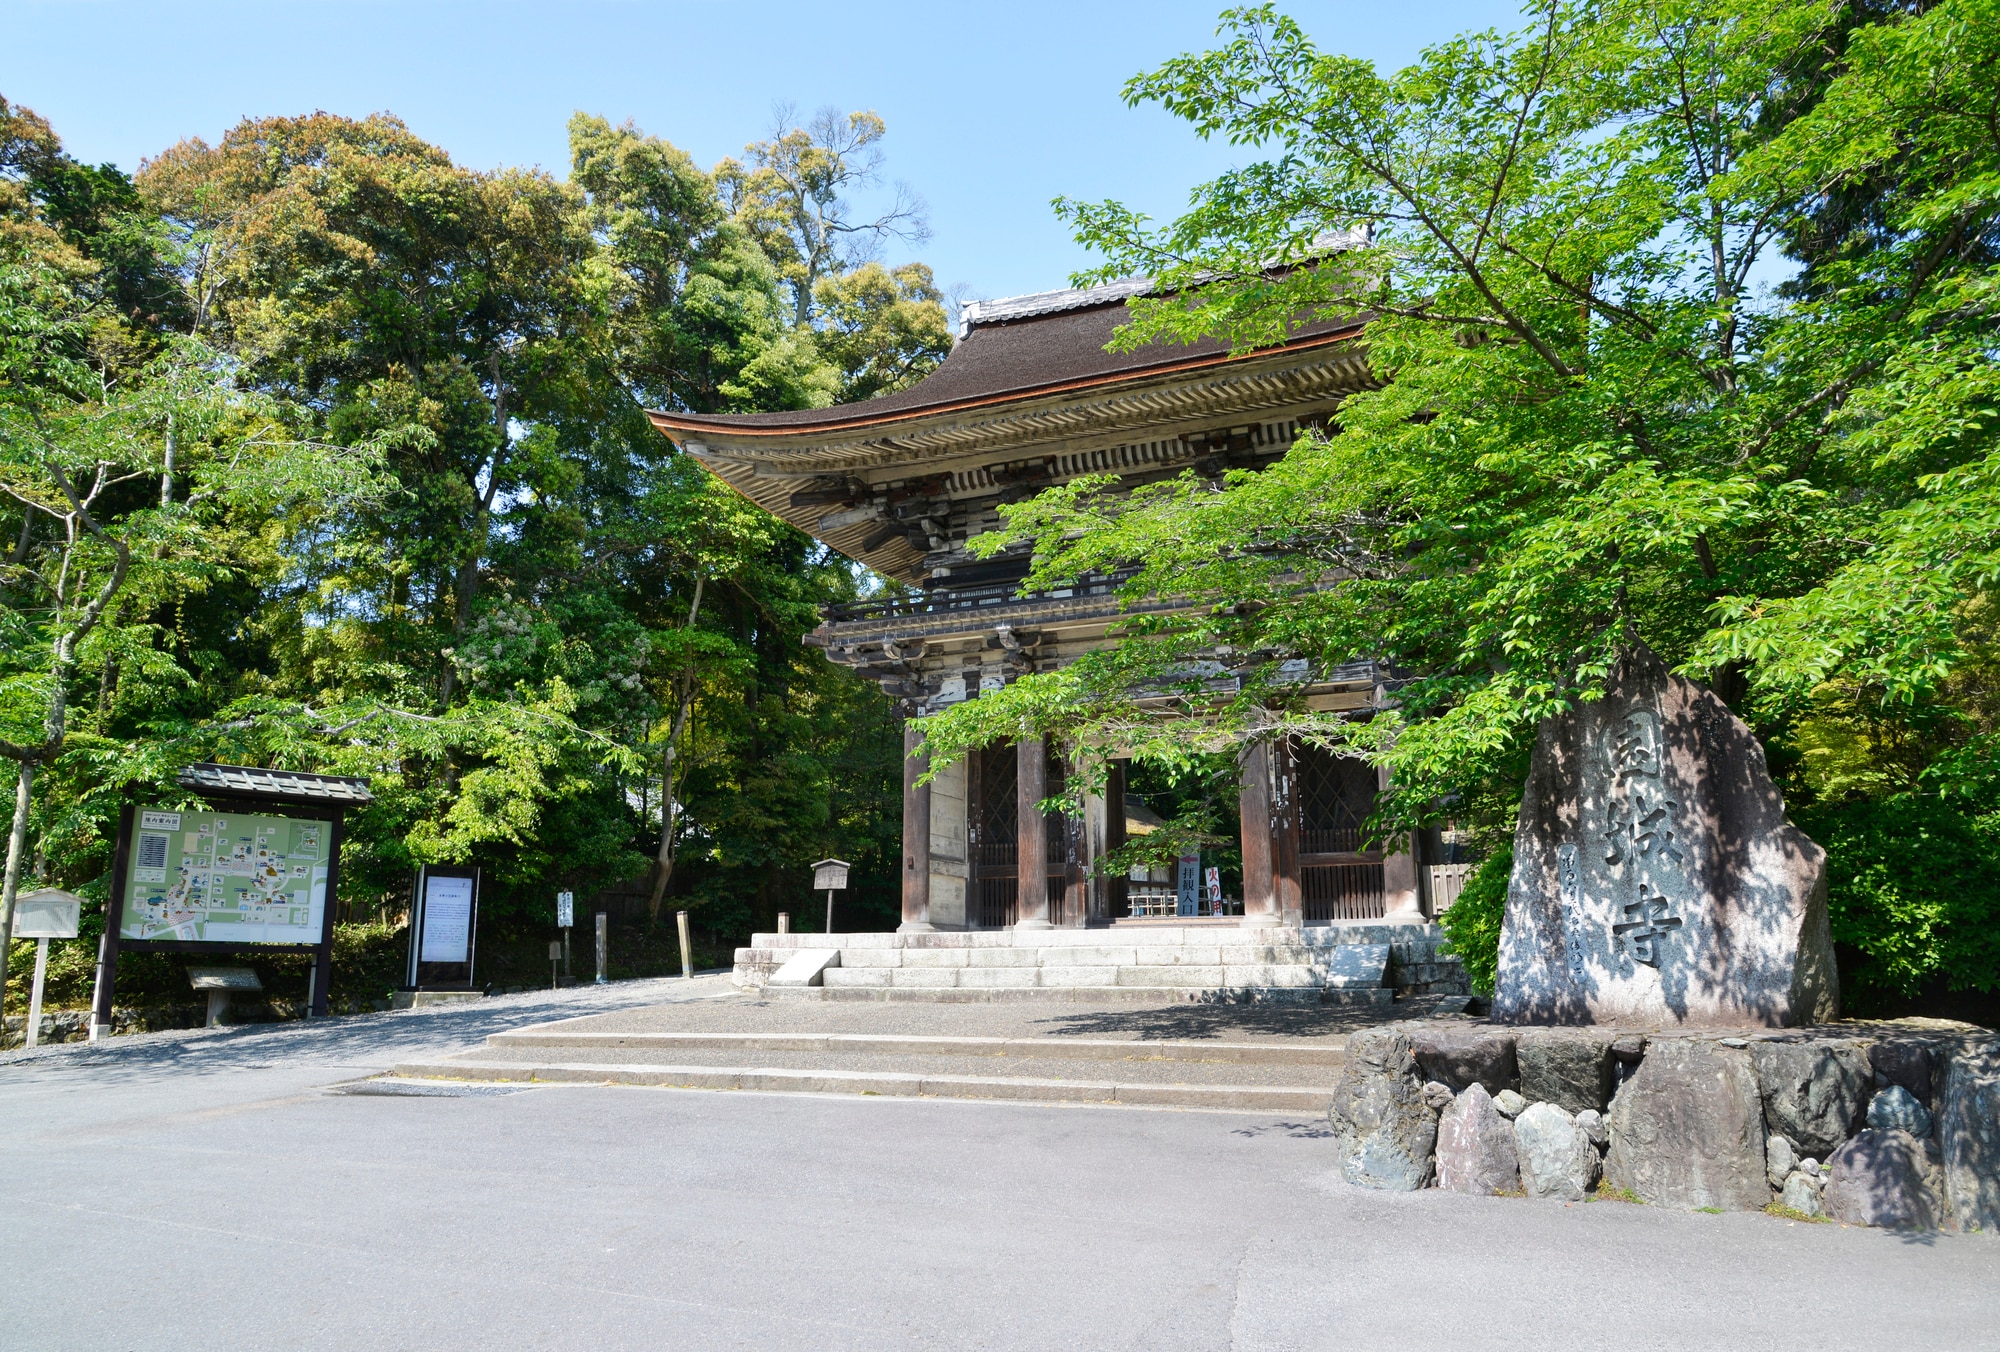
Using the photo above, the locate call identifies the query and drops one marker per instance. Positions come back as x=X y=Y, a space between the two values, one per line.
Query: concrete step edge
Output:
x=1267 y=1098
x=1077 y=1049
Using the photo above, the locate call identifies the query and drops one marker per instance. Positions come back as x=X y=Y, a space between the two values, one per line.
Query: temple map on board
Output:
x=226 y=877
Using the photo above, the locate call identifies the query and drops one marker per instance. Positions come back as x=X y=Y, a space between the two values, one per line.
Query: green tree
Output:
x=1593 y=421
x=883 y=328
x=793 y=198
x=555 y=645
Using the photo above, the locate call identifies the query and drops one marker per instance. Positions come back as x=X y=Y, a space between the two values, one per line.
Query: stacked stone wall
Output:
x=1894 y=1125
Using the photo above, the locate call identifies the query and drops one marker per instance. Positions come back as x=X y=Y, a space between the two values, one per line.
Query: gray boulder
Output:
x=1437 y=1096
x=1384 y=1131
x=1779 y=1160
x=1802 y=1194
x=1894 y=1109
x=1571 y=1068
x=1656 y=879
x=1592 y=1124
x=1913 y=1063
x=1687 y=1130
x=1813 y=1090
x=1879 y=1178
x=1557 y=1158
x=1461 y=1057
x=1475 y=1146
x=1969 y=1136
x=1509 y=1103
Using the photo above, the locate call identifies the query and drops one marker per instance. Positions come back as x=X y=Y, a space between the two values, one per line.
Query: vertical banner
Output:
x=1188 y=886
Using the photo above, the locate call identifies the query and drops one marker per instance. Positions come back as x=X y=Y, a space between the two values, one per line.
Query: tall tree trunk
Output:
x=53 y=728
x=669 y=802
x=465 y=586
x=167 y=470
x=10 y=884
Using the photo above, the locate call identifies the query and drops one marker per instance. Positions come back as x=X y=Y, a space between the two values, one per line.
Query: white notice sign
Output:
x=565 y=909
x=447 y=920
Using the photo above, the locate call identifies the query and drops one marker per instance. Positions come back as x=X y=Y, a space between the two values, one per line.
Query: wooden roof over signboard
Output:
x=291 y=785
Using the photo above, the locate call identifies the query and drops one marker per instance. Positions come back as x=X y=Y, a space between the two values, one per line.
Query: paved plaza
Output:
x=255 y=1188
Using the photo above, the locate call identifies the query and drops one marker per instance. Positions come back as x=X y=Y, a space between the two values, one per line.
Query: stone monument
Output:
x=1656 y=879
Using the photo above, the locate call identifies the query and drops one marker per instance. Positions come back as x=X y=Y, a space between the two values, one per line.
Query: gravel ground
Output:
x=363 y=1040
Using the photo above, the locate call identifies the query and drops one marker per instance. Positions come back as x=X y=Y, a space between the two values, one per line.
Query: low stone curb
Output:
x=1078 y=1049
x=885 y=1083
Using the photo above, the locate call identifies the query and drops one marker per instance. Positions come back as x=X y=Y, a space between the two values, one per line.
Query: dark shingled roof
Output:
x=291 y=784
x=1004 y=360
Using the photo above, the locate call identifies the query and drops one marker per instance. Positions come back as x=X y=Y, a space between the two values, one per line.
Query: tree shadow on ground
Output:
x=1194 y=1021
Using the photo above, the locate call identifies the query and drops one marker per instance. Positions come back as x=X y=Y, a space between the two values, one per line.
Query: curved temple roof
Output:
x=1028 y=384
x=1017 y=353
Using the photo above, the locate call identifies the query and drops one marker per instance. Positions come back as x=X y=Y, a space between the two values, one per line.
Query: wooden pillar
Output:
x=1402 y=900
x=916 y=834
x=1260 y=904
x=1031 y=856
x=1290 y=901
x=1110 y=890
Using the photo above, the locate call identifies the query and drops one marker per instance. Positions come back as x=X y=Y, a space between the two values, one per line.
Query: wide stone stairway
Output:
x=1282 y=1058
x=1353 y=964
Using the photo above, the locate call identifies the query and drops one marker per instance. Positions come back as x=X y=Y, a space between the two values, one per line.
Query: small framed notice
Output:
x=444 y=923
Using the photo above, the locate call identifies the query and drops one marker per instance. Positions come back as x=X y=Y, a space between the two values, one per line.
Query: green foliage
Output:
x=1590 y=421
x=883 y=328
x=792 y=198
x=1913 y=888
x=378 y=478
x=1473 y=922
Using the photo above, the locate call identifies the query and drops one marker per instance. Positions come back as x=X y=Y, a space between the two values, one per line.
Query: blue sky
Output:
x=993 y=109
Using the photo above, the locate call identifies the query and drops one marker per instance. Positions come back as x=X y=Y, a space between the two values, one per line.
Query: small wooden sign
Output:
x=47 y=913
x=829 y=874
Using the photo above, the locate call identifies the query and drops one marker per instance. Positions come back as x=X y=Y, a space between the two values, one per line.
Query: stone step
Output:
x=1255 y=1098
x=936 y=978
x=1189 y=955
x=1135 y=995
x=1312 y=936
x=1329 y=1053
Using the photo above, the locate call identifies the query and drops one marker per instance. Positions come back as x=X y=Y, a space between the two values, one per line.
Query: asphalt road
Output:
x=228 y=1190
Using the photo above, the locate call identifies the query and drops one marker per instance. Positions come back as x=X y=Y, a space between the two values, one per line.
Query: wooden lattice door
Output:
x=1338 y=879
x=995 y=843
x=1064 y=855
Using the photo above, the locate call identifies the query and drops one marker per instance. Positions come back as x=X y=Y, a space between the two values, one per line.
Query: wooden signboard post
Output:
x=44 y=914
x=830 y=875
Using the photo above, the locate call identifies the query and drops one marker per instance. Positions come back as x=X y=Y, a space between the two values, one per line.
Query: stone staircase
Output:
x=1295 y=1077
x=1354 y=964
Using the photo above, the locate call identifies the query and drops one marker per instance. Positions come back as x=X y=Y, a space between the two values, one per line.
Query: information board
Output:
x=226 y=877
x=447 y=919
